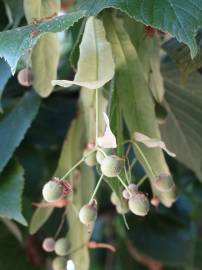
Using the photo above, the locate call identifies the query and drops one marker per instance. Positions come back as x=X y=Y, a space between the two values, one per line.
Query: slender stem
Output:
x=96 y=116
x=126 y=174
x=133 y=164
x=103 y=152
x=77 y=164
x=141 y=181
x=125 y=222
x=61 y=225
x=123 y=183
x=96 y=188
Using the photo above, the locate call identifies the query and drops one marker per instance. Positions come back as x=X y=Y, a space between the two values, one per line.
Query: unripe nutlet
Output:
x=114 y=198
x=88 y=213
x=122 y=208
x=164 y=182
x=133 y=189
x=61 y=247
x=139 y=204
x=100 y=156
x=112 y=166
x=48 y=244
x=59 y=263
x=90 y=160
x=52 y=191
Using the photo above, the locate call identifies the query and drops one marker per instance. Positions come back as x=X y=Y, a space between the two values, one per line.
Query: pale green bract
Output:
x=45 y=54
x=95 y=65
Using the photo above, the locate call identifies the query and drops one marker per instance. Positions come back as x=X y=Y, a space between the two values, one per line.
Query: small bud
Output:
x=164 y=183
x=52 y=191
x=133 y=189
x=88 y=213
x=100 y=156
x=139 y=204
x=48 y=244
x=61 y=247
x=112 y=166
x=25 y=77
x=90 y=160
x=59 y=263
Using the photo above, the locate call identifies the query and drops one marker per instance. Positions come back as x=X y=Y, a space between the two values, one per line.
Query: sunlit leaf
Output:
x=17 y=42
x=181 y=19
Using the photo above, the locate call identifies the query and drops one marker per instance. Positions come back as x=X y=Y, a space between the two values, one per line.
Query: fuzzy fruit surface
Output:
x=100 y=156
x=90 y=160
x=112 y=166
x=59 y=263
x=52 y=191
x=164 y=182
x=61 y=247
x=48 y=244
x=88 y=214
x=139 y=204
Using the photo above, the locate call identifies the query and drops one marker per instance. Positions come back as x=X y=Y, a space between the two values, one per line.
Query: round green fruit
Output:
x=112 y=166
x=139 y=204
x=59 y=263
x=90 y=159
x=122 y=207
x=52 y=191
x=100 y=156
x=61 y=247
x=48 y=244
x=164 y=183
x=88 y=213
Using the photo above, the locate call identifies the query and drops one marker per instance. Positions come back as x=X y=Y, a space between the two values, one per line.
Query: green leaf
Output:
x=45 y=54
x=182 y=129
x=17 y=42
x=135 y=98
x=148 y=50
x=181 y=56
x=40 y=216
x=95 y=65
x=15 y=124
x=11 y=187
x=5 y=74
x=182 y=20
